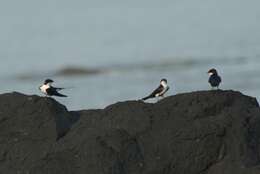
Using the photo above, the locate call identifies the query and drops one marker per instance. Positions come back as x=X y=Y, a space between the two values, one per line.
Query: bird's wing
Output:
x=57 y=89
x=53 y=91
x=163 y=91
x=157 y=90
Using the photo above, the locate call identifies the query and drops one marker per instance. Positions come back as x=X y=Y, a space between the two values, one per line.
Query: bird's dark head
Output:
x=47 y=81
x=163 y=81
x=212 y=72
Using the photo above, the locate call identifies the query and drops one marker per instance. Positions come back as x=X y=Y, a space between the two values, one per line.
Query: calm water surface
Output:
x=136 y=42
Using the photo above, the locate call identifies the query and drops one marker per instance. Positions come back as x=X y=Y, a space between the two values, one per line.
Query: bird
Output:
x=158 y=92
x=49 y=90
x=214 y=78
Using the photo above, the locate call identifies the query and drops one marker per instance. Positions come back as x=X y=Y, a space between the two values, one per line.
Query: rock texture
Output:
x=207 y=132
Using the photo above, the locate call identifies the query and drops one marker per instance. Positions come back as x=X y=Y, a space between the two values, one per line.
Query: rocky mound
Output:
x=208 y=132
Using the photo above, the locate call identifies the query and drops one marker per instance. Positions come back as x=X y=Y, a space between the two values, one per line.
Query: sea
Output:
x=131 y=45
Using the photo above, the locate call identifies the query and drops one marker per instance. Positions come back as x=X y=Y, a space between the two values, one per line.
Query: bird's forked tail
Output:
x=146 y=98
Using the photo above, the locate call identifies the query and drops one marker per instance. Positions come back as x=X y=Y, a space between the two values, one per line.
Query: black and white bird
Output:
x=49 y=90
x=214 y=78
x=160 y=91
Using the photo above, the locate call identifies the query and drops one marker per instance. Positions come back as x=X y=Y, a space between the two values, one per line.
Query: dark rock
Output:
x=29 y=125
x=207 y=132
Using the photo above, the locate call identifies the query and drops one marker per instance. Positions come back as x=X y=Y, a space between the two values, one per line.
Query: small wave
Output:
x=68 y=71
x=172 y=64
x=178 y=63
x=77 y=71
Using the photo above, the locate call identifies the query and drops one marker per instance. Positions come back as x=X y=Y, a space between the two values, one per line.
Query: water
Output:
x=137 y=42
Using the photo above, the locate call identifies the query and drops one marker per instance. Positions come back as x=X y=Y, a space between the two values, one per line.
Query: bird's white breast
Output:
x=165 y=87
x=43 y=88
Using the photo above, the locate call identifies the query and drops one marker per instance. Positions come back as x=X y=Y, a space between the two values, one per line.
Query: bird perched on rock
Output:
x=160 y=91
x=214 y=78
x=49 y=90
